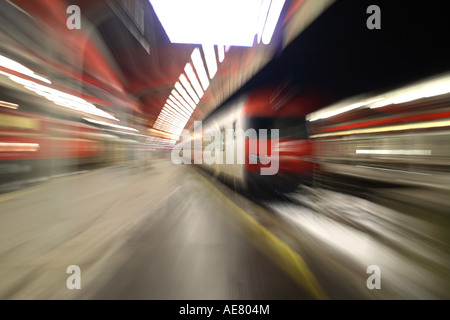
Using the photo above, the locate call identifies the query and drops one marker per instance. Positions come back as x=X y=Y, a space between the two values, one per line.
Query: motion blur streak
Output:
x=8 y=105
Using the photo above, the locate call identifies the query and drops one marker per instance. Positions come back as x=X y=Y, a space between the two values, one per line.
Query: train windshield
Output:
x=289 y=128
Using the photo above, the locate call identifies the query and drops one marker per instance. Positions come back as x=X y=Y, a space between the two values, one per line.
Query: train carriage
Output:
x=276 y=158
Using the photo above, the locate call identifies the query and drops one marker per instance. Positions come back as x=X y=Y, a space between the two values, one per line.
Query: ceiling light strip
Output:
x=170 y=120
x=185 y=95
x=179 y=107
x=181 y=101
x=175 y=109
x=193 y=79
x=174 y=104
x=262 y=18
x=274 y=13
x=221 y=52
x=200 y=68
x=185 y=82
x=210 y=57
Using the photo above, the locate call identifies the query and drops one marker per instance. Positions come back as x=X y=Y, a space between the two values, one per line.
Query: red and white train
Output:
x=263 y=108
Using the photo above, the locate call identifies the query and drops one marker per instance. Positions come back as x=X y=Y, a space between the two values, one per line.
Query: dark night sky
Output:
x=340 y=56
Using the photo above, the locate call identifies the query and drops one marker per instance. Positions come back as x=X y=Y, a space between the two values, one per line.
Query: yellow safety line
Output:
x=278 y=251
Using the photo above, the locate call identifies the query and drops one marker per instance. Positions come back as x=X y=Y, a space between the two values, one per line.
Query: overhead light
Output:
x=181 y=101
x=210 y=57
x=172 y=102
x=176 y=109
x=272 y=19
x=221 y=53
x=169 y=125
x=193 y=78
x=170 y=113
x=168 y=122
x=185 y=82
x=170 y=119
x=186 y=97
x=262 y=18
x=174 y=124
x=200 y=68
x=224 y=22
x=180 y=107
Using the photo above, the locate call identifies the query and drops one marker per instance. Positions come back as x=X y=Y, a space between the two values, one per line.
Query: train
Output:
x=276 y=152
x=39 y=144
x=396 y=137
x=399 y=136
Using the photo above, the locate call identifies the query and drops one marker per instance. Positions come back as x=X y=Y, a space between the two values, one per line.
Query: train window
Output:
x=292 y=128
x=288 y=127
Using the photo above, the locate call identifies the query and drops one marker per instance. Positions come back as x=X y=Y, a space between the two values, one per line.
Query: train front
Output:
x=279 y=156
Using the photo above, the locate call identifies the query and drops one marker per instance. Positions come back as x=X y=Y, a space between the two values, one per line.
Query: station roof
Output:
x=122 y=59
